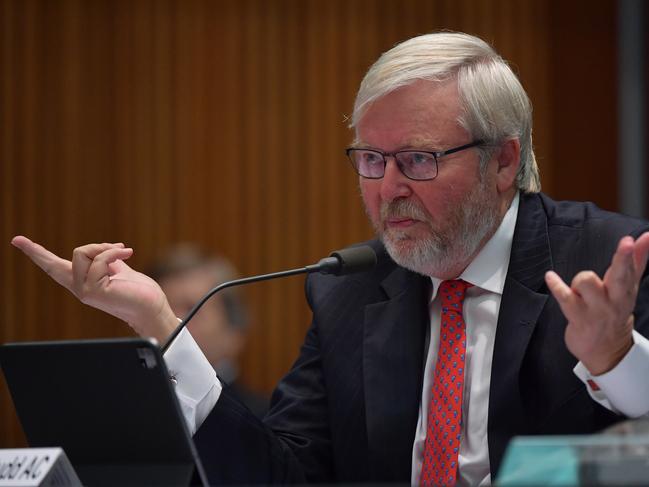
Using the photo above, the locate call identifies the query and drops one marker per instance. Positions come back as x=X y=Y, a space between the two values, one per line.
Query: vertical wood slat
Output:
x=220 y=122
x=7 y=211
x=583 y=107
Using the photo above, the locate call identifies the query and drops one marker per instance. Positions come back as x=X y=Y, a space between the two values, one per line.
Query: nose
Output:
x=394 y=184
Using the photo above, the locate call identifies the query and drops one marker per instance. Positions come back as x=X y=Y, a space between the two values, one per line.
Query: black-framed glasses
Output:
x=413 y=164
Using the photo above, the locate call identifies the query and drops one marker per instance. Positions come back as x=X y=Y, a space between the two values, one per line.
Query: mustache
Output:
x=403 y=208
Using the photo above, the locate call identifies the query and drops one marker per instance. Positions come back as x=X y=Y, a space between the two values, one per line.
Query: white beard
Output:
x=445 y=249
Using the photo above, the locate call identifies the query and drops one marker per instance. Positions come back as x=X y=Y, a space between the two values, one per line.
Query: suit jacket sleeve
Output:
x=291 y=445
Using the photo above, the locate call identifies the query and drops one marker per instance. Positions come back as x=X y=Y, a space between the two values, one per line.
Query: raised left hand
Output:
x=600 y=311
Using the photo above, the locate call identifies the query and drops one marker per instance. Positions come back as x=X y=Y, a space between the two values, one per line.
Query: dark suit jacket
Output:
x=347 y=410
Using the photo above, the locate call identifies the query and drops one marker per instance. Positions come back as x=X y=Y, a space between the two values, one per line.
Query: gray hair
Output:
x=494 y=104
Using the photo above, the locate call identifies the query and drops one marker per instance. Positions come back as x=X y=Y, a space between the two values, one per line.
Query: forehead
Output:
x=425 y=113
x=188 y=281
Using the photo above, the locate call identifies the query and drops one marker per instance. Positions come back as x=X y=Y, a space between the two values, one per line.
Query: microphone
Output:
x=340 y=262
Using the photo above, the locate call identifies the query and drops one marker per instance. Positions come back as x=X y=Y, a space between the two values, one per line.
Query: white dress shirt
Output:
x=487 y=273
x=623 y=389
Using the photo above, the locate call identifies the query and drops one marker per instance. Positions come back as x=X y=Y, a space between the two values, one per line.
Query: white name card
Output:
x=31 y=467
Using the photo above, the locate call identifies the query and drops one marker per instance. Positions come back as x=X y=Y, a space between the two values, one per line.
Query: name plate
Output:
x=27 y=467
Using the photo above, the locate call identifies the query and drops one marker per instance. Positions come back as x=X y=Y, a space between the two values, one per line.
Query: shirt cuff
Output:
x=195 y=383
x=623 y=389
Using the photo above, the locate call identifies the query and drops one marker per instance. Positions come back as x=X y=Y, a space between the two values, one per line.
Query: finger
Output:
x=567 y=299
x=100 y=267
x=82 y=258
x=620 y=279
x=118 y=266
x=57 y=268
x=641 y=253
x=589 y=286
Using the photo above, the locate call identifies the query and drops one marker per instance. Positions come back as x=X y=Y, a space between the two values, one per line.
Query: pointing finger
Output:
x=567 y=299
x=559 y=289
x=57 y=268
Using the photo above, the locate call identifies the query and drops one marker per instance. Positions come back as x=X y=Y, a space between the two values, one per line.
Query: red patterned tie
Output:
x=439 y=466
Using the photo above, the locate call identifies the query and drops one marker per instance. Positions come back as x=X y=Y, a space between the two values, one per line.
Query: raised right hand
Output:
x=99 y=277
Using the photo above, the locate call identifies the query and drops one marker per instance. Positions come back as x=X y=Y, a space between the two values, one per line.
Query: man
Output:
x=185 y=273
x=464 y=335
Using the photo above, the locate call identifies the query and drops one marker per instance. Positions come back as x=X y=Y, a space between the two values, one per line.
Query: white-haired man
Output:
x=464 y=335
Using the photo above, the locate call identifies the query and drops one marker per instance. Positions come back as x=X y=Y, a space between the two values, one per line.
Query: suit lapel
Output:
x=393 y=351
x=524 y=297
x=394 y=342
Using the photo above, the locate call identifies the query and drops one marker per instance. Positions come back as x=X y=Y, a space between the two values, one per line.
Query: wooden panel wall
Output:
x=220 y=122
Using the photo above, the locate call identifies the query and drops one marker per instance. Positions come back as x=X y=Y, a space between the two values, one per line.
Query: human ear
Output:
x=508 y=159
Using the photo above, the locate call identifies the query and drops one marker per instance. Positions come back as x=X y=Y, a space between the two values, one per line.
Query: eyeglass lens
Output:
x=413 y=164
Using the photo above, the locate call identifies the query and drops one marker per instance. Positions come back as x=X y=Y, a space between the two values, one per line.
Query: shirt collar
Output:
x=488 y=269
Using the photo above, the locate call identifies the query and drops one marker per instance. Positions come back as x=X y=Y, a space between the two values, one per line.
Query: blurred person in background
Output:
x=185 y=273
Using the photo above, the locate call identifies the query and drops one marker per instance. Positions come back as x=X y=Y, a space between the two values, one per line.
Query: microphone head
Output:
x=353 y=259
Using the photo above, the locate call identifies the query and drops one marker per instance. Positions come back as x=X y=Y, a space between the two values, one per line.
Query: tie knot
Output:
x=452 y=292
